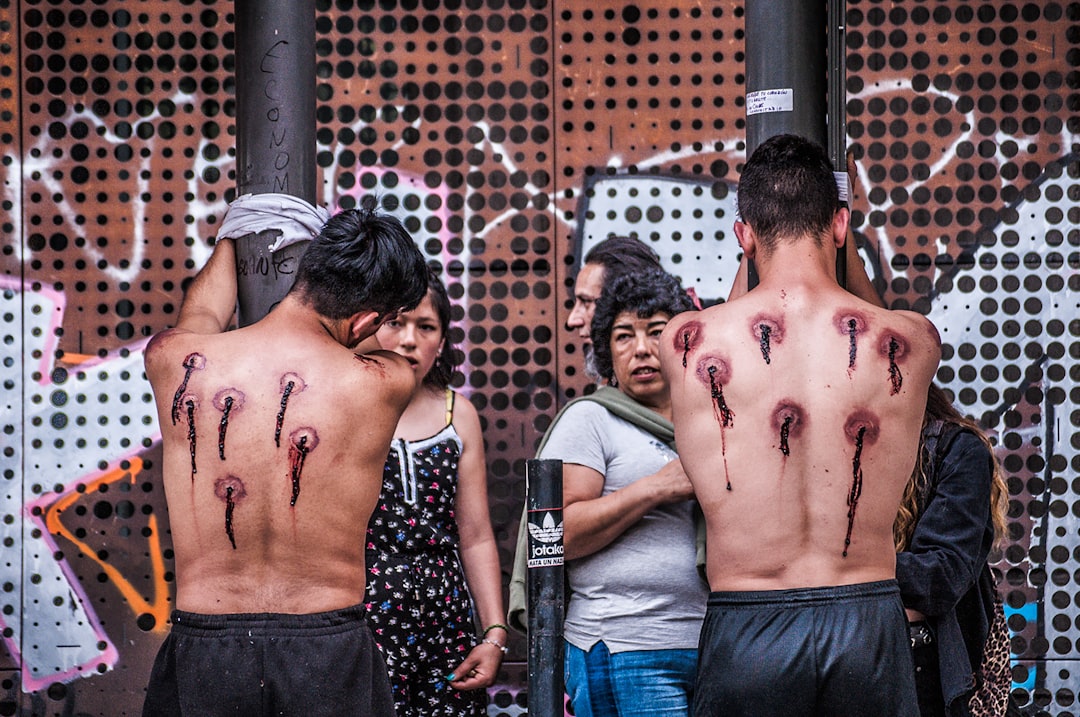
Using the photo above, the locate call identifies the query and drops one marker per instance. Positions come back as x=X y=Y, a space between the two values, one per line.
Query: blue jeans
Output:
x=645 y=683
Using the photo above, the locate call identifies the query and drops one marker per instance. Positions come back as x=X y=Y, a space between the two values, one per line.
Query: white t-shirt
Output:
x=643 y=591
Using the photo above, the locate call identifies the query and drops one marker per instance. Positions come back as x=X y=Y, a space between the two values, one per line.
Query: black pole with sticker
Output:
x=795 y=80
x=545 y=587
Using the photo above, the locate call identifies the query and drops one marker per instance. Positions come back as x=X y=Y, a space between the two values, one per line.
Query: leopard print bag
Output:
x=993 y=692
x=993 y=678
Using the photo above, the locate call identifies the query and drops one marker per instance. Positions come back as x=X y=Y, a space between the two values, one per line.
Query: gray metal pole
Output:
x=275 y=135
x=545 y=584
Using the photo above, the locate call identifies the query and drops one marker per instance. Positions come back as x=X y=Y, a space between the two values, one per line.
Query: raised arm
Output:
x=210 y=302
x=858 y=283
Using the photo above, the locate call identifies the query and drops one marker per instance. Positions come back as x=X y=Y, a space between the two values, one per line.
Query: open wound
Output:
x=713 y=371
x=228 y=401
x=371 y=361
x=302 y=441
x=290 y=383
x=191 y=405
x=769 y=332
x=862 y=430
x=788 y=422
x=192 y=362
x=894 y=348
x=688 y=338
x=851 y=324
x=230 y=491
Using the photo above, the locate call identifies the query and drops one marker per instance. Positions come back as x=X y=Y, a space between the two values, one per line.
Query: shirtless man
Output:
x=797 y=410
x=274 y=440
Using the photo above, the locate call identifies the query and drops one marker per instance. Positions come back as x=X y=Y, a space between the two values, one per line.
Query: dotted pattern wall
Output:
x=509 y=135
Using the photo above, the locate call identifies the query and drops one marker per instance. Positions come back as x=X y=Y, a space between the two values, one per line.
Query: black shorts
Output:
x=824 y=652
x=269 y=664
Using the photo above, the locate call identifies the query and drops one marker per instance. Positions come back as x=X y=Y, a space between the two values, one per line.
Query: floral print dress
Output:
x=419 y=607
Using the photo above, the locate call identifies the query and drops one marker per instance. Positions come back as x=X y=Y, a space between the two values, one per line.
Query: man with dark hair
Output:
x=274 y=438
x=797 y=409
x=614 y=256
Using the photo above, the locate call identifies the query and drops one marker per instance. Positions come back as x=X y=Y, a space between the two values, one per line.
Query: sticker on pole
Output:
x=764 y=101
x=545 y=541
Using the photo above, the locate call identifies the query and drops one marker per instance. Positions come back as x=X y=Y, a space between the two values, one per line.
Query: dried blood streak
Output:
x=861 y=429
x=281 y=411
x=192 y=362
x=229 y=489
x=302 y=441
x=726 y=415
x=787 y=418
x=191 y=435
x=895 y=377
x=856 y=486
x=689 y=338
x=852 y=344
x=764 y=341
x=784 y=430
x=224 y=426
x=229 y=506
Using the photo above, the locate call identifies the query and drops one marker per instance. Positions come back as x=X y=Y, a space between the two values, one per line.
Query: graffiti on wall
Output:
x=510 y=136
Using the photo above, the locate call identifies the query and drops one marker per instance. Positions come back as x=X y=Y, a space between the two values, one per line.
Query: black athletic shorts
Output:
x=269 y=664
x=810 y=652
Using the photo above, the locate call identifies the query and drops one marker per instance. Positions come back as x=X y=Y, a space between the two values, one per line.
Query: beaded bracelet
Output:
x=494 y=626
x=502 y=647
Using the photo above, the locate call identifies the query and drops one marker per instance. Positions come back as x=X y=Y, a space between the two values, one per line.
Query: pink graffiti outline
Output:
x=35 y=511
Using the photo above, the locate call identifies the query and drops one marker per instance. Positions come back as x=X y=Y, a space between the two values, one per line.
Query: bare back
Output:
x=274 y=441
x=797 y=413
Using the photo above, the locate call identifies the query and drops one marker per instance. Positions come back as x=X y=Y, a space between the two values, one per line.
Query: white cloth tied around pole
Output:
x=292 y=218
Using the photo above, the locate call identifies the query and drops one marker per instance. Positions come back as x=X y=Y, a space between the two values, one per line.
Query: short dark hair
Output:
x=622 y=255
x=362 y=260
x=645 y=294
x=440 y=374
x=787 y=190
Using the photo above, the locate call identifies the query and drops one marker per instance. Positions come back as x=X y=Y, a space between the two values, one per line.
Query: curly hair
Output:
x=652 y=292
x=938 y=407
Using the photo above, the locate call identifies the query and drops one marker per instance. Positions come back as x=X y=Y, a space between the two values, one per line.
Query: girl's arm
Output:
x=479 y=554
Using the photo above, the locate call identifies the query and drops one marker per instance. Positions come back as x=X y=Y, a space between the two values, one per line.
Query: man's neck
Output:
x=799 y=262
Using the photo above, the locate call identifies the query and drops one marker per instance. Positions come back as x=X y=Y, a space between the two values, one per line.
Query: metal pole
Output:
x=785 y=70
x=795 y=81
x=545 y=585
x=837 y=98
x=275 y=135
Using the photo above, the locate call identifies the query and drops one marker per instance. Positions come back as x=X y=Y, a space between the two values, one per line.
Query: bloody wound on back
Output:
x=688 y=338
x=769 y=331
x=862 y=430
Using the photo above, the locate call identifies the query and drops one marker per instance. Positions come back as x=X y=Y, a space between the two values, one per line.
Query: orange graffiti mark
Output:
x=159 y=607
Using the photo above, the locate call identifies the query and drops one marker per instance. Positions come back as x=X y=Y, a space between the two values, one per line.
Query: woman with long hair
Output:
x=431 y=553
x=951 y=517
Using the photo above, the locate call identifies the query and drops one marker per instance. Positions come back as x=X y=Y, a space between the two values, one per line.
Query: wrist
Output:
x=502 y=648
x=496 y=627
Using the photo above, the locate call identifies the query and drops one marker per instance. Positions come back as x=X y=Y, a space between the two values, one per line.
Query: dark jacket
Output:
x=944 y=573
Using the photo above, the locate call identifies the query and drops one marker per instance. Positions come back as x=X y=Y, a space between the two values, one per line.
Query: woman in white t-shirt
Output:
x=636 y=596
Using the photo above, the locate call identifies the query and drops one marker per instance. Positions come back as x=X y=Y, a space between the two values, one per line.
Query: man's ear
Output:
x=364 y=324
x=840 y=223
x=747 y=240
